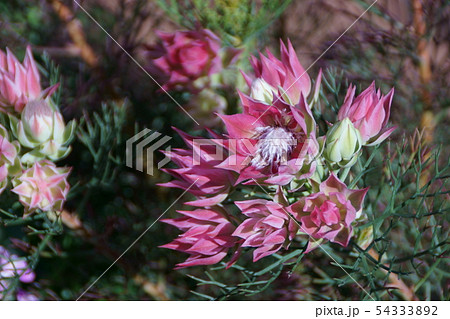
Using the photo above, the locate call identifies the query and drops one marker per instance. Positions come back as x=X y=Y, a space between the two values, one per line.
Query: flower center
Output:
x=274 y=146
x=328 y=213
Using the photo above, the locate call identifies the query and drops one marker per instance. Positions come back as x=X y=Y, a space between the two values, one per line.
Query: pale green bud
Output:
x=262 y=91
x=343 y=143
x=41 y=129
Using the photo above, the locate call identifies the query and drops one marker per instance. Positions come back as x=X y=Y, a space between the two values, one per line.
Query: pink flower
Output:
x=184 y=56
x=329 y=213
x=269 y=227
x=369 y=113
x=198 y=172
x=272 y=143
x=12 y=266
x=19 y=82
x=207 y=236
x=286 y=77
x=23 y=295
x=43 y=186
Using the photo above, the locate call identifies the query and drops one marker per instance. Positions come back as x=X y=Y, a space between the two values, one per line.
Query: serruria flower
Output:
x=197 y=170
x=369 y=112
x=9 y=161
x=183 y=57
x=43 y=186
x=207 y=236
x=268 y=228
x=329 y=213
x=41 y=129
x=19 y=82
x=271 y=143
x=284 y=79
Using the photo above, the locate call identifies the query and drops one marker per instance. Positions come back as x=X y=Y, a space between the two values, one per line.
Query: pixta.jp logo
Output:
x=143 y=145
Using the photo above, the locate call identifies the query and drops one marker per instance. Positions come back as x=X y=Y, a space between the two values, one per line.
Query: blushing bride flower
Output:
x=43 y=186
x=284 y=79
x=274 y=140
x=185 y=56
x=207 y=236
x=268 y=228
x=41 y=129
x=274 y=144
x=19 y=82
x=329 y=213
x=198 y=173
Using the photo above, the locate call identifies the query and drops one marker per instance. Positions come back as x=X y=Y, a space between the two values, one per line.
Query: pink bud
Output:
x=19 y=82
x=369 y=112
x=37 y=118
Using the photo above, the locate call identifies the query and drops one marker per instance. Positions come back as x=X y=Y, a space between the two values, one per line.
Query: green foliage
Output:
x=13 y=14
x=53 y=73
x=253 y=281
x=237 y=21
x=102 y=134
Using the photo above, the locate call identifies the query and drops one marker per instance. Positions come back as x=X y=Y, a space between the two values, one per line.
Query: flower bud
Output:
x=19 y=82
x=343 y=142
x=262 y=91
x=42 y=129
x=369 y=112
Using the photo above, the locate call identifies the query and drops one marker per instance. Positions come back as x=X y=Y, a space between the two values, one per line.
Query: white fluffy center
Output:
x=274 y=146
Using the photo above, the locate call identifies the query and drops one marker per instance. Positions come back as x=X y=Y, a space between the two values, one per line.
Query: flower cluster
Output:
x=12 y=267
x=274 y=145
x=32 y=137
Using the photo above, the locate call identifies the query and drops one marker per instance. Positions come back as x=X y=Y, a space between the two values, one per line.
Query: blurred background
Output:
x=398 y=43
